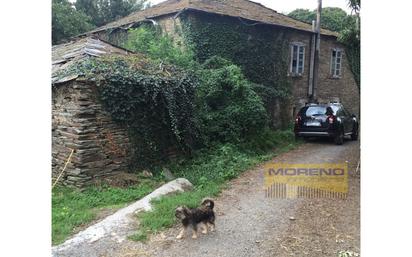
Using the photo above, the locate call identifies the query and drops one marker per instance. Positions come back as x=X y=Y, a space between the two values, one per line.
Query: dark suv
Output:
x=326 y=120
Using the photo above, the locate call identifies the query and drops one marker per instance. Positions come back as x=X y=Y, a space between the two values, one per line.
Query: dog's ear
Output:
x=208 y=202
x=187 y=211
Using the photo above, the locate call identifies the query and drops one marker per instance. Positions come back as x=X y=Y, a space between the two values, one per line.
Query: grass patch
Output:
x=208 y=171
x=72 y=209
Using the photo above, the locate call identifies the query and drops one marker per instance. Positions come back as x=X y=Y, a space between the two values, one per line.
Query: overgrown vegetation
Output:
x=154 y=101
x=158 y=111
x=228 y=108
x=173 y=111
x=72 y=209
x=351 y=36
x=258 y=51
x=160 y=47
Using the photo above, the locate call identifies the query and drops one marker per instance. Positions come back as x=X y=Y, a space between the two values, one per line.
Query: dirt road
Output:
x=249 y=224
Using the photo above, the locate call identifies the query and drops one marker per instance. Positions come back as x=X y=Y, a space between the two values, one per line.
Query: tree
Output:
x=354 y=5
x=105 y=11
x=72 y=19
x=304 y=15
x=335 y=18
x=67 y=21
x=332 y=18
x=350 y=36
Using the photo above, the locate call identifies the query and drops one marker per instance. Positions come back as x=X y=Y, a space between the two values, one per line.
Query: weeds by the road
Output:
x=208 y=171
x=72 y=208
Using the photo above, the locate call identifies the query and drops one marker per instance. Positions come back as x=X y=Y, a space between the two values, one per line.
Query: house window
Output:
x=297 y=62
x=336 y=63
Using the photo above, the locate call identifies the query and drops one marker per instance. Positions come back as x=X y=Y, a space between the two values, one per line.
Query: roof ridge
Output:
x=246 y=9
x=260 y=4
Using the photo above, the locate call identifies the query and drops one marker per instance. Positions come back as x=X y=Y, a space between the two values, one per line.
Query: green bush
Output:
x=229 y=109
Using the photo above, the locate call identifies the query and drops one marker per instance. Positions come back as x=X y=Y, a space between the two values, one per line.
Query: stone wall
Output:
x=343 y=89
x=117 y=37
x=300 y=84
x=101 y=147
x=167 y=23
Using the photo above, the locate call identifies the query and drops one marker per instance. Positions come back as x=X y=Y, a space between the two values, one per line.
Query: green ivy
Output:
x=227 y=107
x=259 y=50
x=351 y=39
x=158 y=111
x=155 y=104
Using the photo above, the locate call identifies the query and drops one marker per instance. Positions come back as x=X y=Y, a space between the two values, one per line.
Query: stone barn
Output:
x=79 y=123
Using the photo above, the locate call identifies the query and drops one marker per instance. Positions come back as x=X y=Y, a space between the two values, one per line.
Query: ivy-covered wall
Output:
x=259 y=50
x=263 y=53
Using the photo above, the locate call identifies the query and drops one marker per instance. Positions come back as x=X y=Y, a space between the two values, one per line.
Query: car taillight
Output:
x=331 y=119
x=298 y=119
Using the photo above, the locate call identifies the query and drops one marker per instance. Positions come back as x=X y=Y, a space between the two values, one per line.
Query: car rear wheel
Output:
x=339 y=138
x=355 y=133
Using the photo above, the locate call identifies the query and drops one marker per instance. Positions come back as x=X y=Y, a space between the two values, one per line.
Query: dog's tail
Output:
x=208 y=202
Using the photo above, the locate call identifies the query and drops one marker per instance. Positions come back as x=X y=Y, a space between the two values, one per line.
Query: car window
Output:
x=318 y=110
x=315 y=111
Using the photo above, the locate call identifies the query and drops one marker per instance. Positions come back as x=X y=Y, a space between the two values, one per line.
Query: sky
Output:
x=286 y=6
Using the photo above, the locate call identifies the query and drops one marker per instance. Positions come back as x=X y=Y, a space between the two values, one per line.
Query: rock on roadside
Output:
x=119 y=223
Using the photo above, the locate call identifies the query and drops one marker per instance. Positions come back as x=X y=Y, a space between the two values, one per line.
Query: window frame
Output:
x=294 y=71
x=334 y=63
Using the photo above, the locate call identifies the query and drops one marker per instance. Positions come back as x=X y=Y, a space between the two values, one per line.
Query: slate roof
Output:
x=64 y=55
x=235 y=8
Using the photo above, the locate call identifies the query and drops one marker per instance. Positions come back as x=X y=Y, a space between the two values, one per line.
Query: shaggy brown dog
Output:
x=192 y=217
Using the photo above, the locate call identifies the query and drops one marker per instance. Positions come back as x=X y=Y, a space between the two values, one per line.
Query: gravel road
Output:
x=249 y=224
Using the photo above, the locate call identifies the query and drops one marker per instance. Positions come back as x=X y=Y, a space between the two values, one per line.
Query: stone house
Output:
x=79 y=122
x=272 y=49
